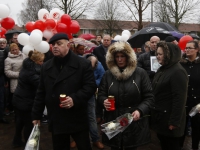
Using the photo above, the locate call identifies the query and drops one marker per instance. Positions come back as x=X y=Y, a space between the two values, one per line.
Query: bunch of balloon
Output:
x=33 y=42
x=183 y=41
x=5 y=21
x=53 y=22
x=124 y=36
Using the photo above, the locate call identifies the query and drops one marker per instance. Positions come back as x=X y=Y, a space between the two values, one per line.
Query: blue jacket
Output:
x=98 y=73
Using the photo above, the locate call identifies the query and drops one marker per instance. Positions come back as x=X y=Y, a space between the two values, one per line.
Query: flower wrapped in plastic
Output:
x=34 y=138
x=118 y=125
x=194 y=110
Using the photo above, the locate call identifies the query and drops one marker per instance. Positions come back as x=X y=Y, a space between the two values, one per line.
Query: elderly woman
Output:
x=131 y=88
x=191 y=62
x=170 y=91
x=24 y=95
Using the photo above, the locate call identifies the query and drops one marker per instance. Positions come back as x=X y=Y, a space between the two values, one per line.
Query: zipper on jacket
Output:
x=136 y=86
x=109 y=88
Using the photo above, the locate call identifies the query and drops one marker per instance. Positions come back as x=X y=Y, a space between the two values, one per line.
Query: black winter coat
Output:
x=170 y=91
x=28 y=81
x=76 y=79
x=100 y=53
x=132 y=91
x=144 y=61
x=193 y=71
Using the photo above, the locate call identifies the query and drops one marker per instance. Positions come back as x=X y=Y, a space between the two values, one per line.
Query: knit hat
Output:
x=170 y=39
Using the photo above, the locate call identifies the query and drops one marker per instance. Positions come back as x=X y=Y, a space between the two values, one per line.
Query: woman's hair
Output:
x=14 y=45
x=94 y=41
x=77 y=46
x=35 y=55
x=196 y=45
x=166 y=51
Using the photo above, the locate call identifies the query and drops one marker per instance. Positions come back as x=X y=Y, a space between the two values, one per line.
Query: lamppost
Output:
x=151 y=10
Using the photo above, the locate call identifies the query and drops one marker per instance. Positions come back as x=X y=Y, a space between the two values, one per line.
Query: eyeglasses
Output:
x=189 y=48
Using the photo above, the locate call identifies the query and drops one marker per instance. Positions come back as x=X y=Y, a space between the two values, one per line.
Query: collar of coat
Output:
x=131 y=60
x=185 y=60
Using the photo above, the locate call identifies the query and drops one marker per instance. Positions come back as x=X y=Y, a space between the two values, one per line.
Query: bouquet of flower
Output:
x=194 y=110
x=34 y=138
x=118 y=125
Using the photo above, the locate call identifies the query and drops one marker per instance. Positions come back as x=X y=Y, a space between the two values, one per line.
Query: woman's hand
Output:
x=171 y=127
x=107 y=104
x=136 y=115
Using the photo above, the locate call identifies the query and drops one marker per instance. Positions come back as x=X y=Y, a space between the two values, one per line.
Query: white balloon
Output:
x=43 y=47
x=55 y=14
x=27 y=48
x=4 y=11
x=47 y=34
x=117 y=38
x=43 y=14
x=23 y=39
x=35 y=38
x=126 y=32
x=124 y=37
x=37 y=31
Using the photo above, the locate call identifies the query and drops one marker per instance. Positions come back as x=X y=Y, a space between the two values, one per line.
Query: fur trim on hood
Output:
x=131 y=60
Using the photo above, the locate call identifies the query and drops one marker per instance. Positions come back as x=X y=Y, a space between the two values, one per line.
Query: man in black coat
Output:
x=66 y=73
x=3 y=79
x=100 y=52
x=144 y=59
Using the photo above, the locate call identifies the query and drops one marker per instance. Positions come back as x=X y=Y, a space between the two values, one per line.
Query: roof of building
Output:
x=125 y=25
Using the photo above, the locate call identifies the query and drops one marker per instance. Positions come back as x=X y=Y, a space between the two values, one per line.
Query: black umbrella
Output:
x=140 y=37
x=194 y=36
x=163 y=25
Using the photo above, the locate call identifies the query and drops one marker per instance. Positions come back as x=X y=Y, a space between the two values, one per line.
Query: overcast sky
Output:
x=15 y=7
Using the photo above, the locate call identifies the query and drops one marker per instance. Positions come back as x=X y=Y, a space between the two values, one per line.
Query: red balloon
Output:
x=50 y=24
x=61 y=27
x=66 y=19
x=7 y=23
x=70 y=36
x=39 y=24
x=74 y=21
x=74 y=27
x=3 y=36
x=29 y=26
x=2 y=31
x=183 y=41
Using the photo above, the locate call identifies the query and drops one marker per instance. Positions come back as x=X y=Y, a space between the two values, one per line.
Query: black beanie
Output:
x=170 y=39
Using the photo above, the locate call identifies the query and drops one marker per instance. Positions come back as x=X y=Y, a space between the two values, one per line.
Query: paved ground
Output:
x=7 y=131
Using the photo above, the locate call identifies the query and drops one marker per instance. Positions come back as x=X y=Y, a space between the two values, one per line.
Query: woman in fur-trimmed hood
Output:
x=131 y=88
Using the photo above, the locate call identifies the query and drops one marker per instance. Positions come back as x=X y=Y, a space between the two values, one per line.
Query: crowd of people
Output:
x=158 y=99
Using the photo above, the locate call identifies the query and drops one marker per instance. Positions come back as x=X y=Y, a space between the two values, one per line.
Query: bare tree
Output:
x=161 y=11
x=175 y=10
x=75 y=8
x=108 y=15
x=30 y=10
x=137 y=8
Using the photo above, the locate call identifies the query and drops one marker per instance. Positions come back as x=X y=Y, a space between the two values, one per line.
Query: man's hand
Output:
x=68 y=103
x=36 y=122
